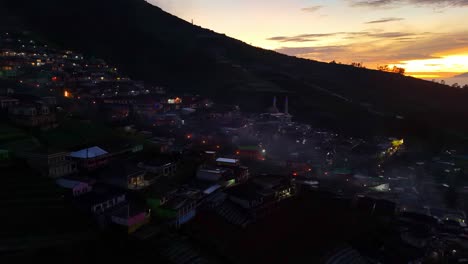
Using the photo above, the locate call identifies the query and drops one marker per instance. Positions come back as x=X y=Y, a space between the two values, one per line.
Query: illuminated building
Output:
x=176 y=100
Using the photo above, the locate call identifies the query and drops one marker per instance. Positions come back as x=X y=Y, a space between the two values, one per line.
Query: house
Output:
x=124 y=175
x=36 y=115
x=49 y=100
x=91 y=158
x=224 y=112
x=7 y=102
x=227 y=162
x=167 y=119
x=163 y=144
x=171 y=203
x=130 y=217
x=77 y=186
x=159 y=167
x=250 y=152
x=162 y=190
x=274 y=188
x=241 y=174
x=177 y=210
x=100 y=200
x=116 y=111
x=261 y=192
x=210 y=174
x=222 y=176
x=50 y=163
x=245 y=195
x=209 y=155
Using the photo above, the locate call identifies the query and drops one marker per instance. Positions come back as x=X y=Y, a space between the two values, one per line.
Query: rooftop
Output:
x=92 y=152
x=120 y=169
x=128 y=210
x=226 y=160
x=98 y=195
x=244 y=191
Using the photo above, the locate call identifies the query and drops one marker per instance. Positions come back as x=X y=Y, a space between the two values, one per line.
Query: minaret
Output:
x=286 y=106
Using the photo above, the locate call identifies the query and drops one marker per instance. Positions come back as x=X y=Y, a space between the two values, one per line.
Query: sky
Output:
x=429 y=38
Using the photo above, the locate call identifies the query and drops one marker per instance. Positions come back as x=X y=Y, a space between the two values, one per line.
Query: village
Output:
x=137 y=160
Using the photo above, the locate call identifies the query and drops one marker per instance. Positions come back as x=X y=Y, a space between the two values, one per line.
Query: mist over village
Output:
x=234 y=131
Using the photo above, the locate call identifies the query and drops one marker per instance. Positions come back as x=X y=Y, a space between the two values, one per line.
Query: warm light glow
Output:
x=176 y=100
x=451 y=63
x=67 y=94
x=397 y=143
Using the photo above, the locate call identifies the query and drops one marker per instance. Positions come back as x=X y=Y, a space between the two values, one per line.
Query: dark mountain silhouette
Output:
x=150 y=44
x=463 y=75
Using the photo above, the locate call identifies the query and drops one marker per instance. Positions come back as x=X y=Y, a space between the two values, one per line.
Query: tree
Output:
x=442 y=82
x=358 y=64
x=333 y=62
x=395 y=69
x=398 y=70
x=456 y=85
x=465 y=86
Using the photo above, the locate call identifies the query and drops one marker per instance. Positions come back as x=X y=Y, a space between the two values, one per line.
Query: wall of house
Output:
x=186 y=217
x=241 y=202
x=62 y=169
x=155 y=205
x=101 y=207
x=82 y=188
x=135 y=227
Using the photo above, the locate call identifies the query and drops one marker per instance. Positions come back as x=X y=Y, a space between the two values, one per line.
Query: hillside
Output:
x=150 y=44
x=463 y=75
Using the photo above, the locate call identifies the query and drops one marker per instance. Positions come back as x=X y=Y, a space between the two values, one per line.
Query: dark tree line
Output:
x=395 y=69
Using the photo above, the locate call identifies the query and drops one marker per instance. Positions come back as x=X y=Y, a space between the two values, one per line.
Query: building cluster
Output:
x=195 y=156
x=29 y=111
x=71 y=74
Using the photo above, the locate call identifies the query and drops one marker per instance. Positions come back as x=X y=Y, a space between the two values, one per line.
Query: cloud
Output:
x=387 y=3
x=301 y=38
x=372 y=3
x=349 y=35
x=390 y=50
x=392 y=35
x=295 y=51
x=312 y=9
x=385 y=20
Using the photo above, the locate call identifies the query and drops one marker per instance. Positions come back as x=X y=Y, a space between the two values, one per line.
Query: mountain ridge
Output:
x=150 y=44
x=463 y=75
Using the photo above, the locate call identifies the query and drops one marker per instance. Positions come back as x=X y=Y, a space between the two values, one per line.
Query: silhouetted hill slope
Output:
x=150 y=44
x=464 y=75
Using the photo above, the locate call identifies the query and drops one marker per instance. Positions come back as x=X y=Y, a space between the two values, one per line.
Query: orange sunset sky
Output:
x=427 y=37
